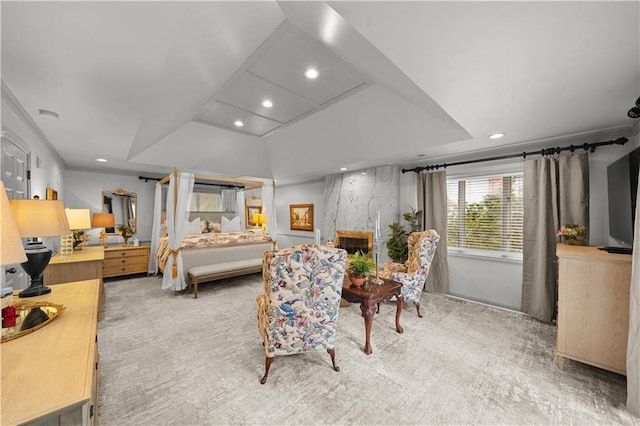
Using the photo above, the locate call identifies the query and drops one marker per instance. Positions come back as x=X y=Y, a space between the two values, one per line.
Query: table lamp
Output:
x=103 y=220
x=262 y=220
x=79 y=220
x=11 y=250
x=34 y=219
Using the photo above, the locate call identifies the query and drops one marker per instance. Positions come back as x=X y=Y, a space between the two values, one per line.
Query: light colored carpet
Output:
x=172 y=359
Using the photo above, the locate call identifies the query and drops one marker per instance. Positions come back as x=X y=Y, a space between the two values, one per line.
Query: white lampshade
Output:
x=78 y=218
x=11 y=250
x=39 y=218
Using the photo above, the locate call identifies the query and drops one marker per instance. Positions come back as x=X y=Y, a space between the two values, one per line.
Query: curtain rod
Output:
x=591 y=147
x=220 y=185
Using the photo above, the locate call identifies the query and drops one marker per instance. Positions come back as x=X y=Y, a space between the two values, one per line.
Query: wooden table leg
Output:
x=368 y=310
x=399 y=306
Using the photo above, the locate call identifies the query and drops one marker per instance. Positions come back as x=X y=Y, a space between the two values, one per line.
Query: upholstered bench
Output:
x=200 y=274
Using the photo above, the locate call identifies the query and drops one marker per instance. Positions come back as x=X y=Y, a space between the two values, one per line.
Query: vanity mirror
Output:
x=123 y=205
x=25 y=316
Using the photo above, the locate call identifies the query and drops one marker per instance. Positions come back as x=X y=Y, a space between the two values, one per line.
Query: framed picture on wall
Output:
x=301 y=217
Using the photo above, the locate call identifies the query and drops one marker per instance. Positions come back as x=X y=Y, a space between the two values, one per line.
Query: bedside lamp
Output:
x=79 y=219
x=38 y=218
x=103 y=220
x=11 y=250
x=262 y=220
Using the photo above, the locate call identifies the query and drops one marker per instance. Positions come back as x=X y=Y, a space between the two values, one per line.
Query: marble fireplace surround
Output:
x=352 y=201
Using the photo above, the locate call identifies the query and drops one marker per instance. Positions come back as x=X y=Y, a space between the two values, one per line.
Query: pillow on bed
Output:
x=213 y=227
x=232 y=225
x=192 y=227
x=204 y=226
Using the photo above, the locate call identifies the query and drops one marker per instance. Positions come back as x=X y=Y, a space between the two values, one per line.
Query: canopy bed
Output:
x=202 y=249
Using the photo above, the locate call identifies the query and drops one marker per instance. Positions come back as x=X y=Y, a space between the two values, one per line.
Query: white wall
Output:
x=46 y=166
x=84 y=190
x=302 y=193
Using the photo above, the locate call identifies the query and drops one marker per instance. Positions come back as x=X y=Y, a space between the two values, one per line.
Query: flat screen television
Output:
x=622 y=181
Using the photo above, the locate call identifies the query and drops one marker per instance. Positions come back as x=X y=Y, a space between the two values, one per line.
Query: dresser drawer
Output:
x=117 y=253
x=125 y=260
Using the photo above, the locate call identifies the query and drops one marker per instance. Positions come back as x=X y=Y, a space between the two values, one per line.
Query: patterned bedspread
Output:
x=215 y=239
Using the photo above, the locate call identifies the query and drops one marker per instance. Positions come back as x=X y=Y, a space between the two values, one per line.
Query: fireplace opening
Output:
x=353 y=241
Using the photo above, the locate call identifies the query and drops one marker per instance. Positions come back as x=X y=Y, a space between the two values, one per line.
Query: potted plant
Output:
x=359 y=267
x=126 y=232
x=397 y=242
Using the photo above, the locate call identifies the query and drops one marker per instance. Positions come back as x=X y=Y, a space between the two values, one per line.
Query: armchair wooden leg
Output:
x=332 y=354
x=418 y=308
x=378 y=310
x=267 y=365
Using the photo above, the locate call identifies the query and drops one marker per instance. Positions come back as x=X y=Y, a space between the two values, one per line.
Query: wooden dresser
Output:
x=50 y=376
x=593 y=307
x=120 y=260
x=85 y=264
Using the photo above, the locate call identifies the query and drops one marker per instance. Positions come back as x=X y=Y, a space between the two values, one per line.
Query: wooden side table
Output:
x=369 y=296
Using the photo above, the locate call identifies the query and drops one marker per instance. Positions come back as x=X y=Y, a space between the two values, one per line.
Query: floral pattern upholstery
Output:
x=300 y=305
x=422 y=247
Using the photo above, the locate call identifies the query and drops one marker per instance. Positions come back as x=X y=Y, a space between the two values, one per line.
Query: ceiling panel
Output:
x=222 y=115
x=249 y=90
x=285 y=62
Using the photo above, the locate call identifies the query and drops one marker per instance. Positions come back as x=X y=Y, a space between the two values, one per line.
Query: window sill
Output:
x=485 y=255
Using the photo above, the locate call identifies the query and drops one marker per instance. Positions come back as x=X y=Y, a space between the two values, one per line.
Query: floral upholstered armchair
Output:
x=299 y=308
x=414 y=273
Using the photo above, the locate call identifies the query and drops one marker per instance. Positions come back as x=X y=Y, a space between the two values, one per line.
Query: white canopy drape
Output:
x=633 y=346
x=155 y=230
x=268 y=207
x=173 y=278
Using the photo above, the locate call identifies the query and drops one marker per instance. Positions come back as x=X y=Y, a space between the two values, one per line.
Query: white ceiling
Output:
x=145 y=84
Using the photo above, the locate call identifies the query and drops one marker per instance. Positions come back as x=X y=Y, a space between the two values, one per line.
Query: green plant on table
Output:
x=360 y=265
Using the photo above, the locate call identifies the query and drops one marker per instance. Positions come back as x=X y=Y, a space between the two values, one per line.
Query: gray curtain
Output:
x=633 y=345
x=432 y=200
x=556 y=192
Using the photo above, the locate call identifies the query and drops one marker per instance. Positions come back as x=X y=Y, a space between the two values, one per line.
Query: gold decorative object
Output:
x=25 y=316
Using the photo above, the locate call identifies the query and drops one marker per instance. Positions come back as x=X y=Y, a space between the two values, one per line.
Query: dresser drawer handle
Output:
x=123 y=254
x=123 y=261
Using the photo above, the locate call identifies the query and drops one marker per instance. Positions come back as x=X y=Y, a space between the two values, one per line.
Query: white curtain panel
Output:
x=228 y=200
x=156 y=228
x=240 y=208
x=176 y=220
x=268 y=208
x=633 y=345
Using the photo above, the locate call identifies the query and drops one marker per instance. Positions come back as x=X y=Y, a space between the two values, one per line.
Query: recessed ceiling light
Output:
x=311 y=73
x=267 y=103
x=496 y=135
x=343 y=169
x=363 y=173
x=48 y=113
x=238 y=123
x=102 y=160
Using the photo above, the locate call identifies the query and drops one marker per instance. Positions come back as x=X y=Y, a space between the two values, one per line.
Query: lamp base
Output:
x=34 y=291
x=38 y=257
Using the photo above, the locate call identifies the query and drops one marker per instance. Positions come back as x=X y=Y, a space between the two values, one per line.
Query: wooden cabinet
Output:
x=120 y=260
x=593 y=307
x=85 y=264
x=50 y=376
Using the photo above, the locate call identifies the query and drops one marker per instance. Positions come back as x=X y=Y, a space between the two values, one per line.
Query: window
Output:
x=485 y=213
x=201 y=202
